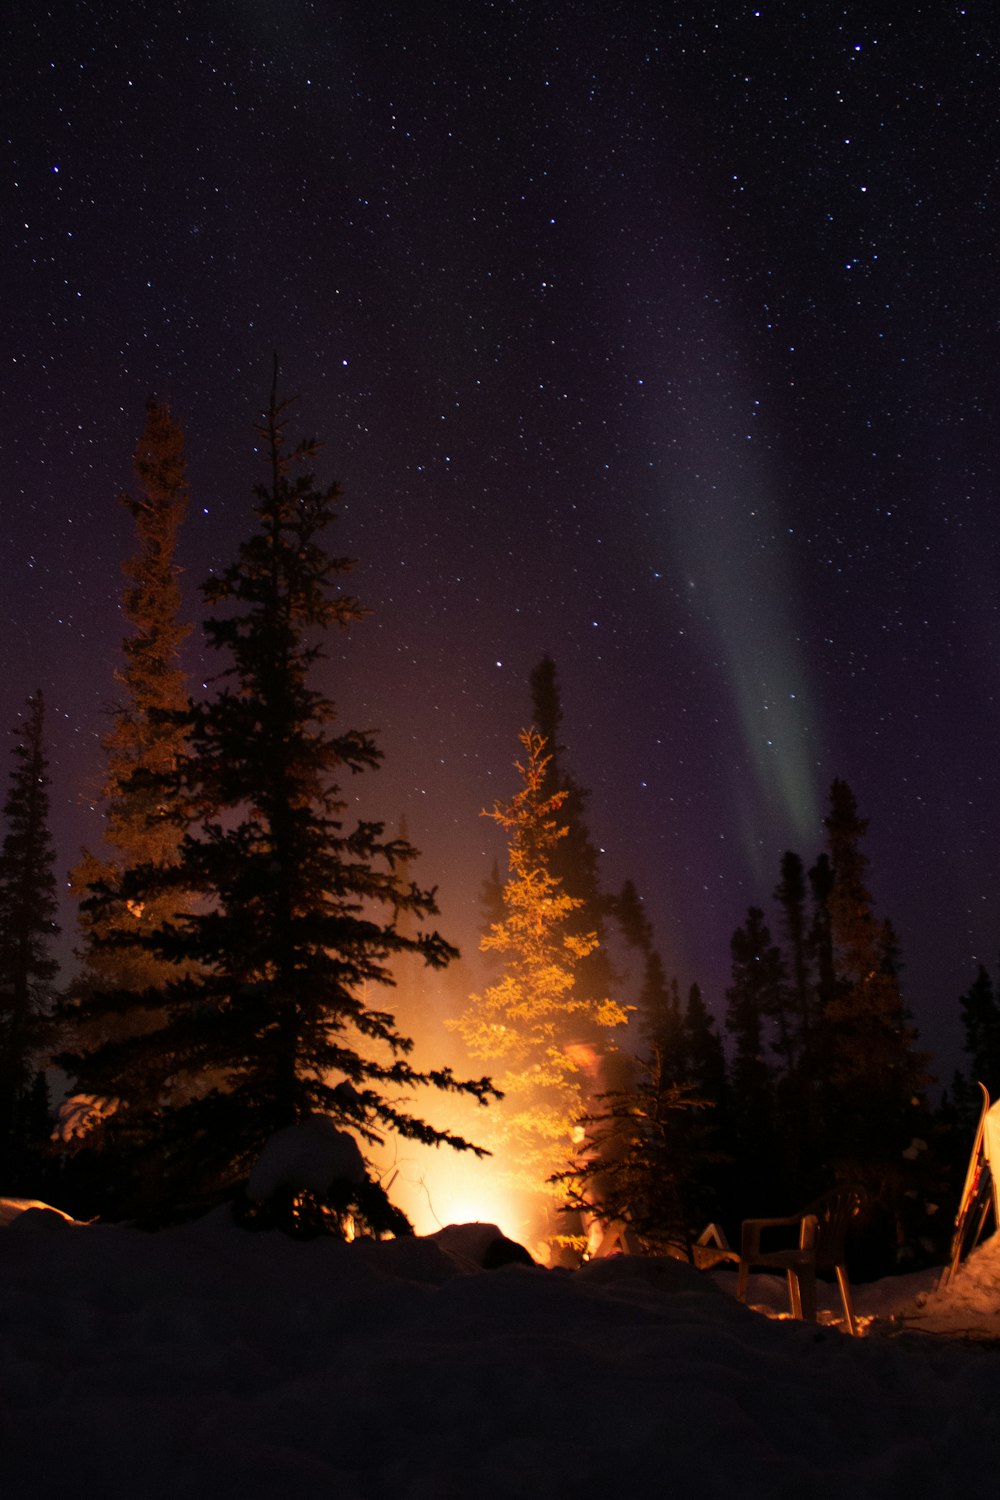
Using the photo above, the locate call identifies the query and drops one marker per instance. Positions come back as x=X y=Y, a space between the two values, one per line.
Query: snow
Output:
x=13 y=1208
x=209 y=1361
x=969 y=1305
x=80 y=1114
x=306 y=1157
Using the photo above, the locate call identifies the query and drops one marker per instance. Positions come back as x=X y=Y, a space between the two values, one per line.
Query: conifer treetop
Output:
x=279 y=961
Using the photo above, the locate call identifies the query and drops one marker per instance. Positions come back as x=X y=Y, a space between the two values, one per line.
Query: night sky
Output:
x=660 y=338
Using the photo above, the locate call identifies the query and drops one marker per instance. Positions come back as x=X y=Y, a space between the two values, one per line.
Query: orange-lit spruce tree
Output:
x=145 y=741
x=530 y=1026
x=273 y=968
x=117 y=990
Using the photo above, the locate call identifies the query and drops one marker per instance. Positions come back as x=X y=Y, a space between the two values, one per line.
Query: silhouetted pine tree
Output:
x=961 y=1106
x=796 y=1012
x=980 y=1010
x=658 y=1002
x=703 y=1056
x=709 y=1131
x=661 y=1019
x=751 y=1000
x=646 y=1162
x=799 y=1079
x=27 y=967
x=274 y=972
x=628 y=911
x=820 y=939
x=575 y=861
x=877 y=1075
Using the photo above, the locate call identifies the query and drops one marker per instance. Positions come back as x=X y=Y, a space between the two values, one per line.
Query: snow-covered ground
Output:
x=207 y=1361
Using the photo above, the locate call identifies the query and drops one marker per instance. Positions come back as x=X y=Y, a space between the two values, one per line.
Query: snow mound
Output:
x=206 y=1362
x=31 y=1212
x=306 y=1157
x=480 y=1246
x=969 y=1305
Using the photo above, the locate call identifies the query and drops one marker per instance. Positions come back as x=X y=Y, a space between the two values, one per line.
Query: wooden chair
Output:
x=822 y=1230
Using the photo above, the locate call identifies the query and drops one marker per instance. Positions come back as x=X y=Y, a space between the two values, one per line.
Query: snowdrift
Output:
x=206 y=1361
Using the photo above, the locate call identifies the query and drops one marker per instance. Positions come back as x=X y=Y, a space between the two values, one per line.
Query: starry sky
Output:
x=658 y=337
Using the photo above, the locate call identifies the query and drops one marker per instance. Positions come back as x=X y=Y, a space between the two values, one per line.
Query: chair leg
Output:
x=794 y=1294
x=846 y=1299
x=743 y=1276
x=808 y=1293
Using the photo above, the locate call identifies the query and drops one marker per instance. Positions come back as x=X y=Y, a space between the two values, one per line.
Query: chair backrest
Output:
x=833 y=1213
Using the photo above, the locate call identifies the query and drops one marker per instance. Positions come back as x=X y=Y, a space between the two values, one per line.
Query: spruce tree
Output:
x=575 y=859
x=703 y=1055
x=980 y=1010
x=876 y=1073
x=796 y=1003
x=650 y=1156
x=532 y=1023
x=658 y=1007
x=751 y=1000
x=144 y=744
x=645 y=1162
x=627 y=910
x=661 y=1020
x=820 y=938
x=296 y=926
x=871 y=1040
x=27 y=966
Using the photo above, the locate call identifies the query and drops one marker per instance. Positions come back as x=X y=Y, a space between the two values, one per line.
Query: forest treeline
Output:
x=239 y=933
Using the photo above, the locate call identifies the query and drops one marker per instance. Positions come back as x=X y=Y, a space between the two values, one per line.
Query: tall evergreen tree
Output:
x=575 y=860
x=532 y=1023
x=796 y=1003
x=751 y=1000
x=654 y=1157
x=661 y=1020
x=876 y=1072
x=145 y=743
x=704 y=1058
x=802 y=1087
x=658 y=1004
x=958 y=1115
x=627 y=910
x=27 y=966
x=820 y=939
x=644 y=1162
x=980 y=1010
x=269 y=1006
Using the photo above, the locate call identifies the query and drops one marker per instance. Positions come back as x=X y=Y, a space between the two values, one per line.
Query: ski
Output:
x=978 y=1197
